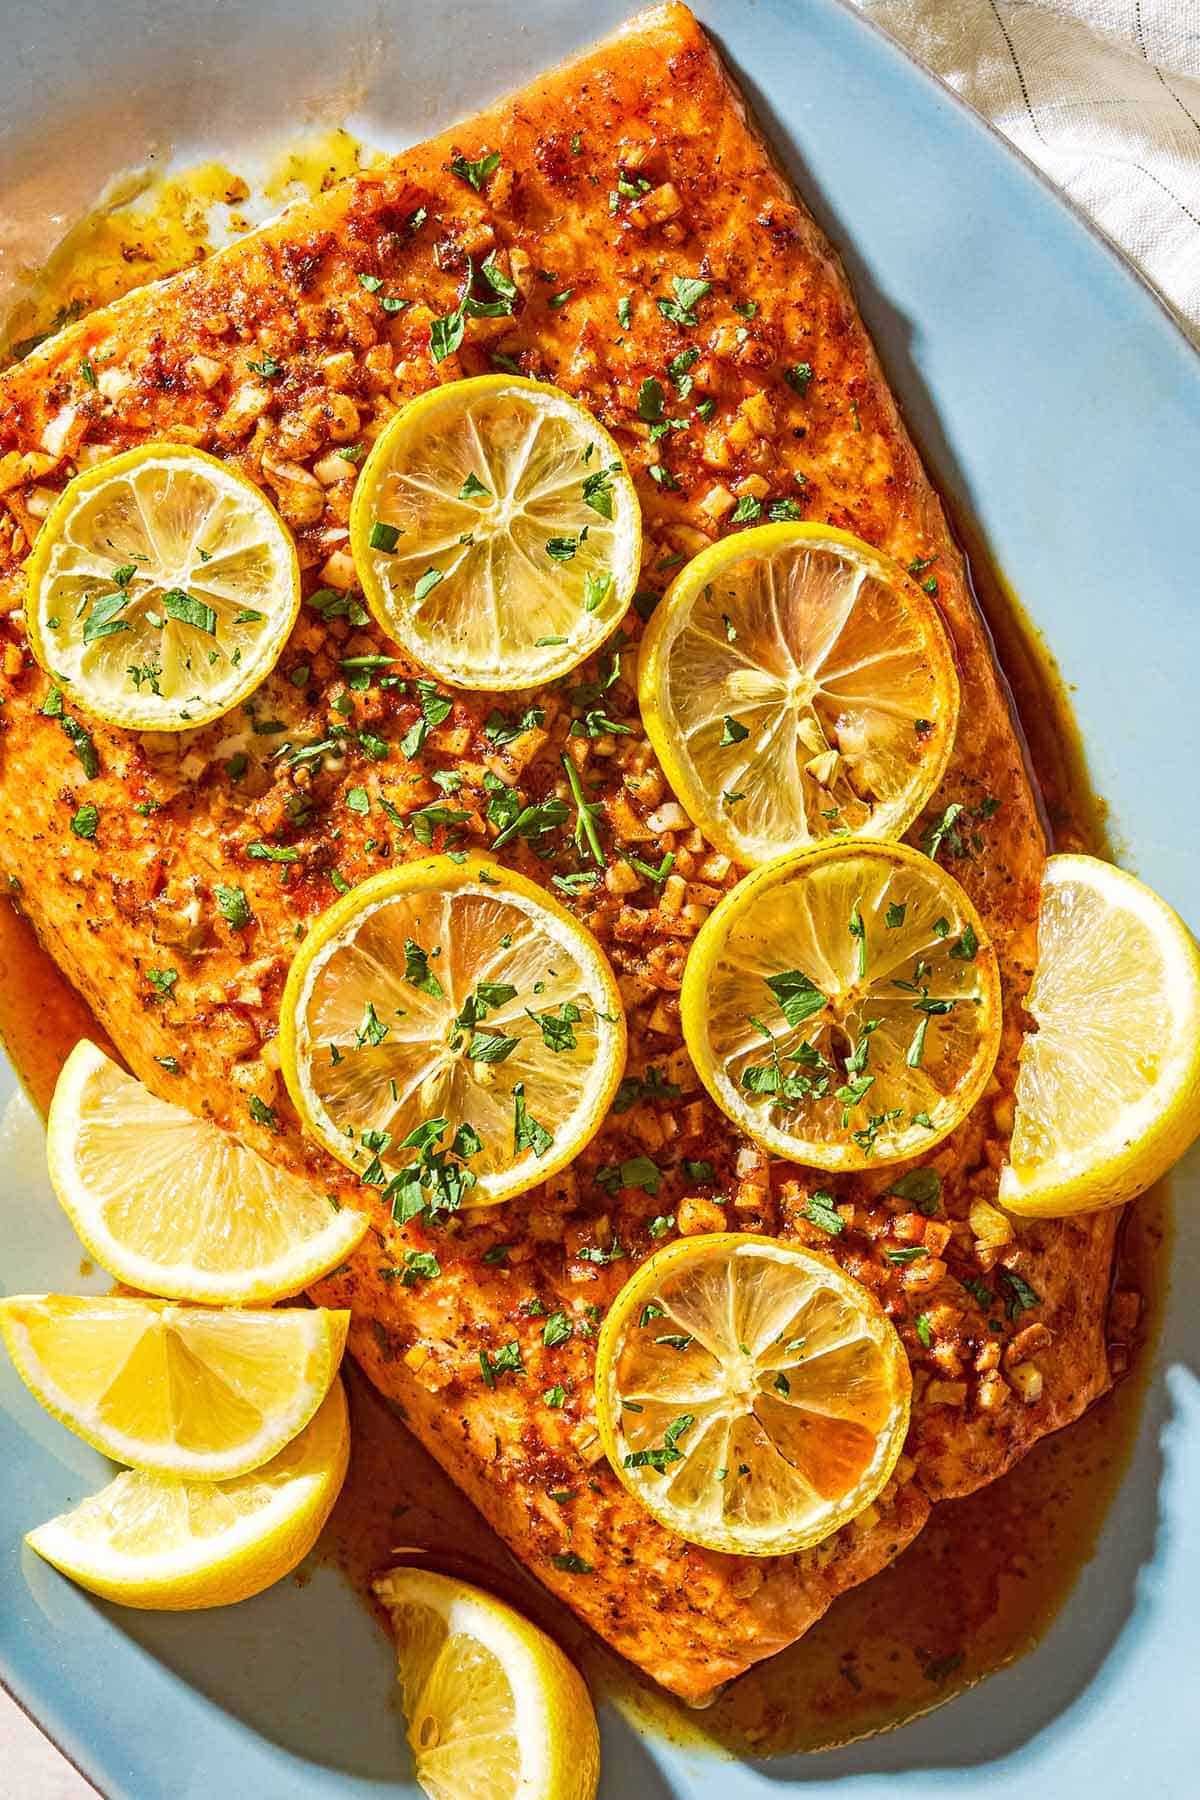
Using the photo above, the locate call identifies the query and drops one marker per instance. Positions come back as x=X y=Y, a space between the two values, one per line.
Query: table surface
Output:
x=31 y=1763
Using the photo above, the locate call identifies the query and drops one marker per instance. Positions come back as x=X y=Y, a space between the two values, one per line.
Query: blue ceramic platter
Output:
x=1060 y=407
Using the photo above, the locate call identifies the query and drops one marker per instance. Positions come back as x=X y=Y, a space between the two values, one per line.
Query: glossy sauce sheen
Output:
x=904 y=1641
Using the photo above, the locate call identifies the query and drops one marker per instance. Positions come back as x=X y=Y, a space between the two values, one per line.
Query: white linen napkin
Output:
x=1103 y=95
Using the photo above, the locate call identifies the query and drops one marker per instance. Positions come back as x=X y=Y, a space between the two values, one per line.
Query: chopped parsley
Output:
x=232 y=905
x=668 y=1453
x=261 y=1113
x=558 y=1030
x=650 y=400
x=688 y=291
x=585 y=815
x=921 y=1188
x=819 y=1209
x=527 y=1133
x=185 y=609
x=598 y=490
x=942 y=832
x=797 y=996
x=418 y=972
x=1020 y=1297
x=967 y=946
x=476 y=173
x=635 y=1172
x=506 y=1361
x=649 y=1086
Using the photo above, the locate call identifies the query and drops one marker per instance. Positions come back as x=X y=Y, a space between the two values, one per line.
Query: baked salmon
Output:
x=615 y=177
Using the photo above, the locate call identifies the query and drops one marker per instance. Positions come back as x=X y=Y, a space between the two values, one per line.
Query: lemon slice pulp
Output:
x=453 y=1011
x=1108 y=1089
x=172 y=1205
x=495 y=1711
x=161 y=589
x=170 y=1545
x=797 y=686
x=752 y=1396
x=496 y=532
x=176 y=1390
x=842 y=1005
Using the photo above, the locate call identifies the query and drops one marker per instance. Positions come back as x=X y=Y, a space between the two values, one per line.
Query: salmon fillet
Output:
x=617 y=173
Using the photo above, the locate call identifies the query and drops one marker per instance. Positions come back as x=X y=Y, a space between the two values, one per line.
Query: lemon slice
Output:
x=185 y=1391
x=172 y=1205
x=495 y=1711
x=752 y=1396
x=496 y=532
x=161 y=589
x=842 y=1005
x=1108 y=1089
x=450 y=1030
x=797 y=685
x=168 y=1545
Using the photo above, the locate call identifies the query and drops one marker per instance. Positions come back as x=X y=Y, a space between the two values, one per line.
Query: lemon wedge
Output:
x=172 y=1205
x=496 y=532
x=161 y=589
x=450 y=1030
x=842 y=1005
x=189 y=1392
x=495 y=1711
x=1108 y=1088
x=797 y=686
x=752 y=1396
x=171 y=1546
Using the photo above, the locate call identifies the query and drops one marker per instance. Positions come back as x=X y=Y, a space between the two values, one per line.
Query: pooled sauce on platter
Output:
x=988 y=1574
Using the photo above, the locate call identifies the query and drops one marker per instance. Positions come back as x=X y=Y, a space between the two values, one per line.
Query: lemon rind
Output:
x=434 y=874
x=259 y=1550
x=624 y=1308
x=667 y=621
x=129 y=1451
x=287 y=1276
x=1152 y=1137
x=552 y=1706
x=148 y=712
x=844 y=1157
x=391 y=618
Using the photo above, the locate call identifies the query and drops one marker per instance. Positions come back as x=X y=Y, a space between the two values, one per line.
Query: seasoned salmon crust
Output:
x=643 y=232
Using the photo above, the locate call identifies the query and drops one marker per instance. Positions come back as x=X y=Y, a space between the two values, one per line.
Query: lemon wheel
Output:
x=752 y=1396
x=495 y=1711
x=450 y=1022
x=161 y=589
x=797 y=686
x=167 y=1545
x=172 y=1205
x=181 y=1391
x=842 y=1005
x=1108 y=1088
x=496 y=532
